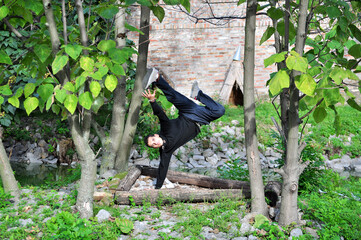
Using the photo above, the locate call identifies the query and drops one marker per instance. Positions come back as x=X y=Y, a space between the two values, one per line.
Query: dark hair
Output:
x=146 y=139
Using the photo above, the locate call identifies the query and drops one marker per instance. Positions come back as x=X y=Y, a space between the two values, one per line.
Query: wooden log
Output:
x=165 y=196
x=127 y=182
x=200 y=180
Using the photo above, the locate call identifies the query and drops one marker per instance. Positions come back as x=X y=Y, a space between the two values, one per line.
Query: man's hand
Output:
x=148 y=94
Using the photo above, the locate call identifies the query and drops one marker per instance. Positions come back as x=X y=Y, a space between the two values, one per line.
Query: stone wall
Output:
x=188 y=51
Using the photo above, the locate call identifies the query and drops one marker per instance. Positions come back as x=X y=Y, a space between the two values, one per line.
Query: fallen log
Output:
x=198 y=179
x=127 y=182
x=165 y=196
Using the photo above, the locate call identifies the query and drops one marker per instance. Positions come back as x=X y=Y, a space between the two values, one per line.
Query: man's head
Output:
x=153 y=141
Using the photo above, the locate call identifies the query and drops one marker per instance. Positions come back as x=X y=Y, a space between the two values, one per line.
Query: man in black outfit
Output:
x=176 y=132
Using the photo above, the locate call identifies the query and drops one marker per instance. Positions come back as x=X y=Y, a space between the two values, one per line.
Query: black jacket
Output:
x=175 y=133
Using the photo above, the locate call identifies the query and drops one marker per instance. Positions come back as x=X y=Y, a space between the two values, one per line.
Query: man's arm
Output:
x=157 y=110
x=163 y=168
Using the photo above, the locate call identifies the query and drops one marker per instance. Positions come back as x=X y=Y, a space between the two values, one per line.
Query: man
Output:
x=176 y=132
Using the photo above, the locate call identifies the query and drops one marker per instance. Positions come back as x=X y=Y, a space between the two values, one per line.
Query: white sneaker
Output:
x=150 y=77
x=195 y=90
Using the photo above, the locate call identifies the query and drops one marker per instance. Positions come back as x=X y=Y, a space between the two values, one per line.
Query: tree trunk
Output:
x=165 y=196
x=292 y=169
x=257 y=190
x=112 y=143
x=7 y=175
x=88 y=163
x=121 y=162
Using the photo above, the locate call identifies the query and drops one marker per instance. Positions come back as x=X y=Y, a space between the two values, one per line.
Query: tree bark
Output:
x=7 y=175
x=121 y=162
x=112 y=143
x=165 y=196
x=292 y=169
x=88 y=163
x=127 y=182
x=257 y=190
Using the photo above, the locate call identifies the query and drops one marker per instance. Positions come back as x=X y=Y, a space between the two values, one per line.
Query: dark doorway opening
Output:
x=236 y=97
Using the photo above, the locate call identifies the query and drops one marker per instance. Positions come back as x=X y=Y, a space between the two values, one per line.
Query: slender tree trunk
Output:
x=257 y=189
x=121 y=163
x=112 y=143
x=292 y=169
x=88 y=163
x=7 y=175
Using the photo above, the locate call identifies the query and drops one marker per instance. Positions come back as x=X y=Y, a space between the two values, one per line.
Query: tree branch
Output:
x=309 y=112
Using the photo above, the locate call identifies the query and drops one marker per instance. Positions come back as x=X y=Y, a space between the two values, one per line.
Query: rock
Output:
x=312 y=232
x=208 y=153
x=296 y=232
x=98 y=196
x=212 y=159
x=42 y=144
x=142 y=161
x=25 y=222
x=108 y=174
x=235 y=122
x=198 y=157
x=103 y=215
x=33 y=159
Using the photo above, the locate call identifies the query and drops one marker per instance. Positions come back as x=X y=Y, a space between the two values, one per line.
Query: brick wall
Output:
x=188 y=51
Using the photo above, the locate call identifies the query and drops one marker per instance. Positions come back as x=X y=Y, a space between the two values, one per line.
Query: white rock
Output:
x=103 y=215
x=208 y=153
x=213 y=159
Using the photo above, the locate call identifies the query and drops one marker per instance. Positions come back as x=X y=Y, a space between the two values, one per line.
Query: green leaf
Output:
x=295 y=62
x=43 y=51
x=14 y=101
x=87 y=63
x=95 y=88
x=70 y=103
x=98 y=102
x=259 y=220
x=267 y=34
x=59 y=62
x=354 y=104
x=29 y=89
x=86 y=100
x=131 y=28
x=355 y=32
x=278 y=82
x=158 y=12
x=171 y=2
x=106 y=45
x=4 y=58
x=73 y=50
x=30 y=104
x=306 y=84
x=19 y=92
x=275 y=13
x=111 y=82
x=118 y=56
x=319 y=114
x=338 y=75
x=69 y=86
x=279 y=57
x=333 y=12
x=1 y=100
x=55 y=109
x=355 y=51
x=4 y=11
x=125 y=225
x=79 y=81
x=187 y=5
x=240 y=2
x=45 y=91
x=5 y=90
x=117 y=69
x=108 y=12
x=60 y=95
x=98 y=75
x=49 y=102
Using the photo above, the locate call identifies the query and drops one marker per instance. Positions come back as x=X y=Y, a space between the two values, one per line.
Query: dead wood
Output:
x=127 y=182
x=165 y=196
